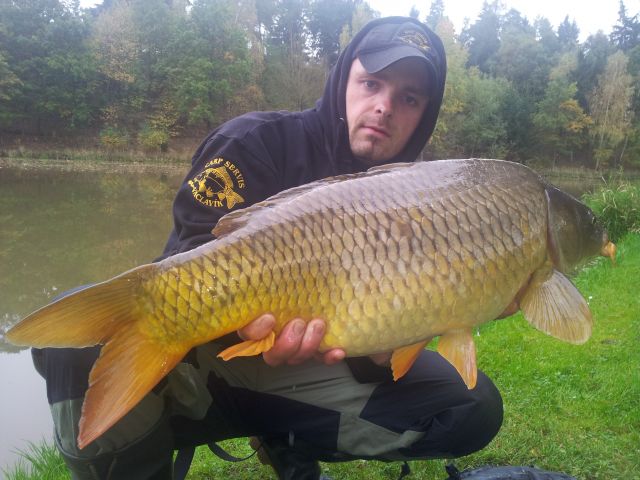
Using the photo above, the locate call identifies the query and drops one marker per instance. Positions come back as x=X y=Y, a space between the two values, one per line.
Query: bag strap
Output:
x=184 y=458
x=183 y=462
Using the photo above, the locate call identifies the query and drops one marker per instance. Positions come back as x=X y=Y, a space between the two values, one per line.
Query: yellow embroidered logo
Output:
x=216 y=185
x=415 y=38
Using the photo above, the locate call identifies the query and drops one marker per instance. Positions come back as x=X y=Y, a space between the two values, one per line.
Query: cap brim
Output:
x=373 y=62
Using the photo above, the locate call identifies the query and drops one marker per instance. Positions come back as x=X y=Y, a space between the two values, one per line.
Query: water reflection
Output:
x=66 y=228
x=62 y=228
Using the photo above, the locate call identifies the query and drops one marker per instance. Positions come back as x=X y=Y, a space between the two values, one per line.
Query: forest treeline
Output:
x=141 y=73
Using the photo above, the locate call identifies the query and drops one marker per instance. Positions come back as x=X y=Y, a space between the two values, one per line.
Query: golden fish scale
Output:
x=421 y=256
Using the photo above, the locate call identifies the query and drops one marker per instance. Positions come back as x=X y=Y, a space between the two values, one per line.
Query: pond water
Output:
x=64 y=226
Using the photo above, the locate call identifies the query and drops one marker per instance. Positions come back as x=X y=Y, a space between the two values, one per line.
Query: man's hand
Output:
x=297 y=342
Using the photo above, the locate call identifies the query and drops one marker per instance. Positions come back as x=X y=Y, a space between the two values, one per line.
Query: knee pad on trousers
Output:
x=474 y=422
x=150 y=457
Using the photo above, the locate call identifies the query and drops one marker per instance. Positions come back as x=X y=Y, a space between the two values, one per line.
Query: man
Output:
x=380 y=105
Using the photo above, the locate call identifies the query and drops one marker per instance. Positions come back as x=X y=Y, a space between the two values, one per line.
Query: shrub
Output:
x=617 y=208
x=113 y=138
x=151 y=138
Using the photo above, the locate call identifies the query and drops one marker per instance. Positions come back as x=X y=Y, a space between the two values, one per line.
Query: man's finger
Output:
x=332 y=356
x=287 y=343
x=258 y=328
x=309 y=342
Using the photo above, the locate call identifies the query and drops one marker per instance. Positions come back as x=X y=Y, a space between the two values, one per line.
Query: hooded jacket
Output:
x=259 y=154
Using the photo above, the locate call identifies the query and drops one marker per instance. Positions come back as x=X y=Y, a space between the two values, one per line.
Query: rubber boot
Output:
x=288 y=462
x=149 y=458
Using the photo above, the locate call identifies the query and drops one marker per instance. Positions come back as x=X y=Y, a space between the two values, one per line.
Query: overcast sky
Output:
x=590 y=15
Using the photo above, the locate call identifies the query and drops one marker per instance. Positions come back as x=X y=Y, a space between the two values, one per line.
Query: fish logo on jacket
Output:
x=215 y=185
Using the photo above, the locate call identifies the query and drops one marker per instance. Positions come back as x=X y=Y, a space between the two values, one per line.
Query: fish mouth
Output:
x=609 y=250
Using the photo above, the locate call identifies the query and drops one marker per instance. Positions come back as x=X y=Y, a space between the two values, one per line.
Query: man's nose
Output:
x=384 y=105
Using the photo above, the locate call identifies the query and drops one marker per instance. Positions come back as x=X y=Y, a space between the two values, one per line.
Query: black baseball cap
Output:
x=387 y=43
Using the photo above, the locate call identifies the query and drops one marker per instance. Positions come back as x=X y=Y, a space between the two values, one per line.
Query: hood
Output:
x=331 y=107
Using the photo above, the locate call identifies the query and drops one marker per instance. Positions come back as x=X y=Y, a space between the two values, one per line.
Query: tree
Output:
x=446 y=139
x=211 y=68
x=436 y=14
x=115 y=43
x=548 y=39
x=610 y=105
x=521 y=58
x=51 y=71
x=327 y=19
x=516 y=112
x=523 y=62
x=293 y=77
x=134 y=43
x=470 y=123
x=362 y=15
x=561 y=125
x=483 y=130
x=626 y=33
x=482 y=38
x=592 y=59
x=568 y=32
x=8 y=81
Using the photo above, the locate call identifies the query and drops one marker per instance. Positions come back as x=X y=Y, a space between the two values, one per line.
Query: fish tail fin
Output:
x=553 y=305
x=232 y=197
x=130 y=362
x=128 y=368
x=84 y=318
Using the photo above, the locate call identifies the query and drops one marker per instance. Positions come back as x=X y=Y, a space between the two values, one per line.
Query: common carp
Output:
x=390 y=258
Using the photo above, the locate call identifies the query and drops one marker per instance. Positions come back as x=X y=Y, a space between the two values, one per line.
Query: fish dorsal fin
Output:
x=553 y=305
x=458 y=348
x=239 y=218
x=390 y=167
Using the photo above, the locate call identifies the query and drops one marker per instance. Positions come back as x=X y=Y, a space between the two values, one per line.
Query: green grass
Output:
x=618 y=209
x=569 y=408
x=38 y=461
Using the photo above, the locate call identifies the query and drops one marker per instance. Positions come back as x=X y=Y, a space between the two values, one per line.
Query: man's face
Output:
x=384 y=108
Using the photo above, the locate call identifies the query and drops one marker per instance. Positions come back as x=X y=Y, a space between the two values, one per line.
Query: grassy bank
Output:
x=95 y=155
x=568 y=408
x=88 y=151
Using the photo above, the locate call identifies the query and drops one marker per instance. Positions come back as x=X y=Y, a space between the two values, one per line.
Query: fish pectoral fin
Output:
x=128 y=368
x=249 y=347
x=458 y=348
x=403 y=357
x=553 y=305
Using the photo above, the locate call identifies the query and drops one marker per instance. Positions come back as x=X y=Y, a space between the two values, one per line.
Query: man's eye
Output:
x=370 y=84
x=411 y=100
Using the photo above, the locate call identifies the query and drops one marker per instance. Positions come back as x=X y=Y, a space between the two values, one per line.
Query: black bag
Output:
x=505 y=473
